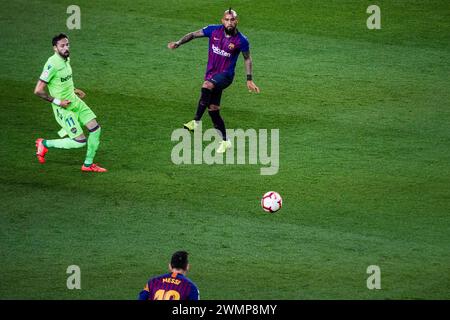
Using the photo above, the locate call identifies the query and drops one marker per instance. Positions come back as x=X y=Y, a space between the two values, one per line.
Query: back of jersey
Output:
x=170 y=286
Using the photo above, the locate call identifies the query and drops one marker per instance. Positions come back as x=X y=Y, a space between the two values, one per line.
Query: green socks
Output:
x=65 y=143
x=92 y=146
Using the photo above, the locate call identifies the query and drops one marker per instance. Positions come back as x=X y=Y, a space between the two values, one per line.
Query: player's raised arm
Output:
x=186 y=38
x=248 y=68
x=39 y=90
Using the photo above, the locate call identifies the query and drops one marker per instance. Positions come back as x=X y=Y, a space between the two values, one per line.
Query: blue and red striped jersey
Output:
x=170 y=286
x=223 y=51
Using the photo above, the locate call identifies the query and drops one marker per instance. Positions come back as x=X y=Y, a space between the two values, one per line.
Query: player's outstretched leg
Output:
x=203 y=103
x=92 y=146
x=219 y=124
x=67 y=143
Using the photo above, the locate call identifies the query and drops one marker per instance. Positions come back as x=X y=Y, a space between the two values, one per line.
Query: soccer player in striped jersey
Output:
x=225 y=45
x=174 y=285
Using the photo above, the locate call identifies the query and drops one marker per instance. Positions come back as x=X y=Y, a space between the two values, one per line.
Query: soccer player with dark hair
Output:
x=70 y=111
x=174 y=285
x=225 y=44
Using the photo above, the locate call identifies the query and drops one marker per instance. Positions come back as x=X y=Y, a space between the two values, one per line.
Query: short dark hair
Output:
x=179 y=260
x=59 y=37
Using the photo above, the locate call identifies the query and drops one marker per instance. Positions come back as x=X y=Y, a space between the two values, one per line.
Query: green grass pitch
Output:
x=364 y=120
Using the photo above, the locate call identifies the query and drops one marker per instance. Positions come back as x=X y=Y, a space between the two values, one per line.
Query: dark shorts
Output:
x=221 y=81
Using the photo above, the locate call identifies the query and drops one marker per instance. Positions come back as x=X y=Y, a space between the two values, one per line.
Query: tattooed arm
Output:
x=248 y=68
x=186 y=38
x=39 y=90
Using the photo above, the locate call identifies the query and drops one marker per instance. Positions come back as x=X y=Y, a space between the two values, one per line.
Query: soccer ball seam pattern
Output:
x=271 y=202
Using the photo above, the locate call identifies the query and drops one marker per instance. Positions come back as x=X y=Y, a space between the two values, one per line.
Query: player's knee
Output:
x=213 y=107
x=95 y=128
x=81 y=137
x=92 y=124
x=208 y=85
x=80 y=141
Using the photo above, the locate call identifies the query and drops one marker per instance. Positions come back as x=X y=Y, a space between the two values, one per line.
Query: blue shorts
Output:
x=221 y=81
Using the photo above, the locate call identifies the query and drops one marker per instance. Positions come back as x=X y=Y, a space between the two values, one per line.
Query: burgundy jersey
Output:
x=223 y=51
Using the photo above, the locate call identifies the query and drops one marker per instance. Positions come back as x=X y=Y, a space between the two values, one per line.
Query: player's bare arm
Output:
x=248 y=69
x=41 y=92
x=190 y=36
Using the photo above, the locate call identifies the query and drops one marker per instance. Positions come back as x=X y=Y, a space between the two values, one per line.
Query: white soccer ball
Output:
x=271 y=201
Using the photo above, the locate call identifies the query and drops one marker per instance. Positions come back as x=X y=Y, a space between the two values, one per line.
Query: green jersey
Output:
x=57 y=74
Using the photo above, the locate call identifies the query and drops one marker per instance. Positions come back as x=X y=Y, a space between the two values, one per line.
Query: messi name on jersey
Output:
x=171 y=280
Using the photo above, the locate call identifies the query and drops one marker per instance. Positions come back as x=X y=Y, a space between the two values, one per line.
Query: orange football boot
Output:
x=93 y=168
x=41 y=150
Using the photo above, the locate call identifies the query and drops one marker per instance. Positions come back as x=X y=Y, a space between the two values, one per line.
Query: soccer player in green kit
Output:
x=70 y=111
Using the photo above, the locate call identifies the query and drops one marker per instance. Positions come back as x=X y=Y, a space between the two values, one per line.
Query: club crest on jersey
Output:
x=44 y=74
x=231 y=46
